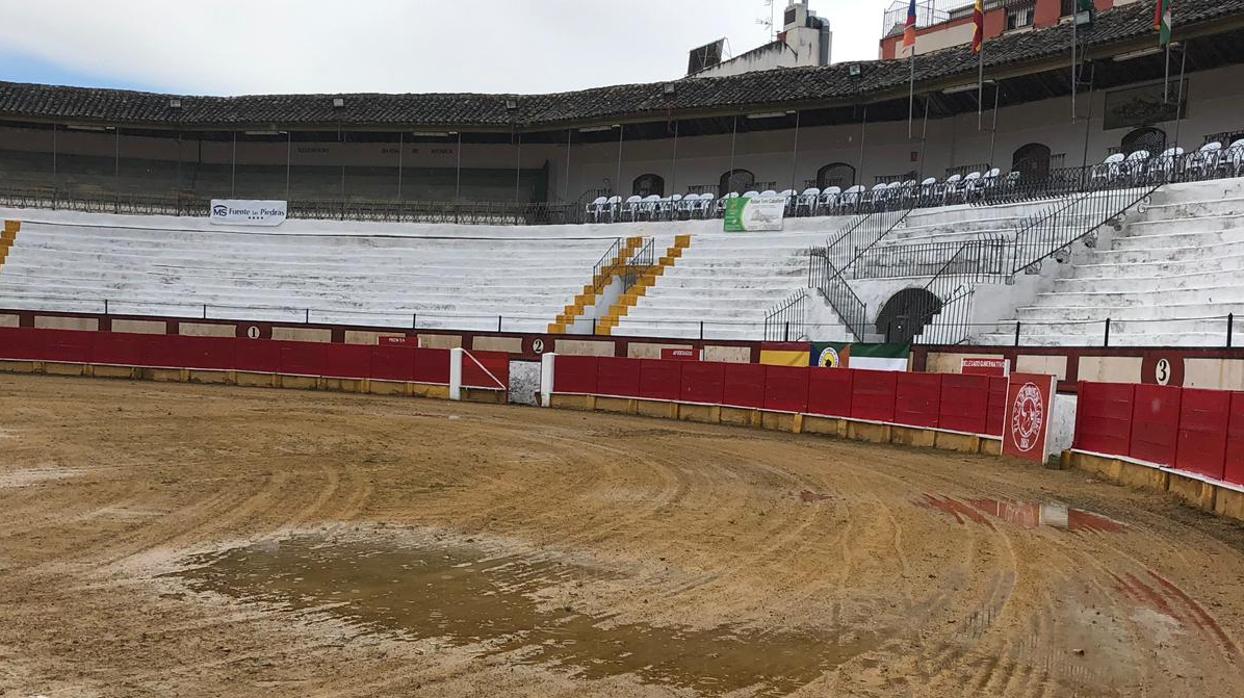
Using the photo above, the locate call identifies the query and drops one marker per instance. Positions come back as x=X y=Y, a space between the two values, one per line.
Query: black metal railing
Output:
x=789 y=320
x=942 y=314
x=1050 y=232
x=639 y=264
x=828 y=280
x=602 y=271
x=921 y=259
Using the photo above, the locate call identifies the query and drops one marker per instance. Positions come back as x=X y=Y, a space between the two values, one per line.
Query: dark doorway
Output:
x=906 y=313
x=838 y=174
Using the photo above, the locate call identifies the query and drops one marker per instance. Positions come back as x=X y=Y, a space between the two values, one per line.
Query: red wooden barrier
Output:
x=1155 y=424
x=1104 y=418
x=1233 y=468
x=116 y=349
x=786 y=388
x=964 y=404
x=257 y=356
x=496 y=363
x=997 y=405
x=617 y=376
x=873 y=394
x=829 y=391
x=660 y=380
x=302 y=358
x=431 y=366
x=744 y=385
x=392 y=362
x=1204 y=427
x=918 y=399
x=575 y=374
x=351 y=361
x=66 y=346
x=702 y=383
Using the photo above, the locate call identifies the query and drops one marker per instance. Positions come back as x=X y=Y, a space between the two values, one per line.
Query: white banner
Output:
x=242 y=212
x=755 y=214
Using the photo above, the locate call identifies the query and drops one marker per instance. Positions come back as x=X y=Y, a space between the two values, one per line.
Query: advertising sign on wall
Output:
x=1029 y=403
x=753 y=214
x=268 y=214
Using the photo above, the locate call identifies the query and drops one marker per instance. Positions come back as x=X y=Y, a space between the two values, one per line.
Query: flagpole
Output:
x=1075 y=80
x=1166 y=83
x=911 y=93
x=980 y=90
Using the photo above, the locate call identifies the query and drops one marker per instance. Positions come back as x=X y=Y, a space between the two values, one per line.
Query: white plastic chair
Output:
x=972 y=185
x=768 y=192
x=806 y=202
x=706 y=203
x=1163 y=166
x=1234 y=158
x=1109 y=170
x=751 y=194
x=1136 y=164
x=631 y=207
x=597 y=209
x=929 y=188
x=828 y=201
x=852 y=198
x=1204 y=162
x=950 y=188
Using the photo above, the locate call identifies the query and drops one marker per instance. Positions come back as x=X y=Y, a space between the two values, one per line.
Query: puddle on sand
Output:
x=462 y=595
x=1022 y=514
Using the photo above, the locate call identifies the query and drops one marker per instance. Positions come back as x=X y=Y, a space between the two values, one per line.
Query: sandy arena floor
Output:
x=161 y=540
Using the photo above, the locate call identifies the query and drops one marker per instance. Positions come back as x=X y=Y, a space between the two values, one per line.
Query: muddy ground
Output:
x=160 y=540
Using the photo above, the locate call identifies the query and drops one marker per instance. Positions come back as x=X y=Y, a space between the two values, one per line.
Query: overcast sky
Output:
x=233 y=47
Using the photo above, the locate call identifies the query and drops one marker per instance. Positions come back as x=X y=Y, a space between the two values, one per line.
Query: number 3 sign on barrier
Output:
x=1029 y=402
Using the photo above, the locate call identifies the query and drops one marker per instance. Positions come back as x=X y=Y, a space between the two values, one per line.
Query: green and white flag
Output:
x=873 y=357
x=1162 y=22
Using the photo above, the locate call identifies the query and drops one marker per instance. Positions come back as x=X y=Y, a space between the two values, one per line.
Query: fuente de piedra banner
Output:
x=267 y=214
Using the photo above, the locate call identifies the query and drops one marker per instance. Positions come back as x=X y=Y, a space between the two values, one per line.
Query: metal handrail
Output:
x=790 y=314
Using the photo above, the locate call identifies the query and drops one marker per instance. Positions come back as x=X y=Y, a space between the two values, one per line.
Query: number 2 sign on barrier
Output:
x=1029 y=403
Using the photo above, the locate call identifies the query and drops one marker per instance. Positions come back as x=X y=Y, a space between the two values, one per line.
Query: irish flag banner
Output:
x=875 y=357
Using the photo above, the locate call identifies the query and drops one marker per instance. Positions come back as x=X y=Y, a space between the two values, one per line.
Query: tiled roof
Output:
x=820 y=85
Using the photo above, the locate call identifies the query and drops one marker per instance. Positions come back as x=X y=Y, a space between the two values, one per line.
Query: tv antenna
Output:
x=771 y=21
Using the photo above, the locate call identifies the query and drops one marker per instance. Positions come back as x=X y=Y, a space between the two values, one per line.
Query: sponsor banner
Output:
x=873 y=357
x=785 y=353
x=758 y=213
x=268 y=214
x=1029 y=407
x=394 y=341
x=680 y=354
x=986 y=367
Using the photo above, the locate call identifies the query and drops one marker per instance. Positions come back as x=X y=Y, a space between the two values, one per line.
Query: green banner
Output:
x=734 y=215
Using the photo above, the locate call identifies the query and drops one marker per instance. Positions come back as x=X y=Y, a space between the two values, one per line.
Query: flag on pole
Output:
x=1162 y=22
x=909 y=31
x=909 y=42
x=978 y=20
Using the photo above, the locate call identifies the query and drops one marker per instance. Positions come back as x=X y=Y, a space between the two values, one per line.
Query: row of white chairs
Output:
x=1210 y=160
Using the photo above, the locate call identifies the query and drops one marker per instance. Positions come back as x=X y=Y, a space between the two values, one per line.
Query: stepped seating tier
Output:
x=1170 y=278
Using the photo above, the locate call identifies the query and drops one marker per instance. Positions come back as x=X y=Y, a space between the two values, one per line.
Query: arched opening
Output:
x=1151 y=139
x=737 y=181
x=906 y=313
x=648 y=184
x=1032 y=161
x=838 y=174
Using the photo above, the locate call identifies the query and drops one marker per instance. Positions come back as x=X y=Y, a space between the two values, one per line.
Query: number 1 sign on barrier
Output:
x=1029 y=403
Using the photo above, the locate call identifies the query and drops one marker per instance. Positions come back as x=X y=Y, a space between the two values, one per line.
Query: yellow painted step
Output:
x=12 y=226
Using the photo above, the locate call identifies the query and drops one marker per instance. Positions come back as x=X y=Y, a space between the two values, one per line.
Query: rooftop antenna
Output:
x=771 y=21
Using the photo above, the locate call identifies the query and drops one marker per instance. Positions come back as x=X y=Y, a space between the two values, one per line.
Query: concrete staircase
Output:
x=1169 y=278
x=593 y=292
x=726 y=284
x=647 y=280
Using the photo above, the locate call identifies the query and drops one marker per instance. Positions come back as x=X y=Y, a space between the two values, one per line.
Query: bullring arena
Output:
x=159 y=540
x=792 y=376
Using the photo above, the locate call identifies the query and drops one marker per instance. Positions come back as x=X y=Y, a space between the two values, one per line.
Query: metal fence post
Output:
x=205 y=311
x=701 y=330
x=1230 y=328
x=414 y=321
x=306 y=318
x=106 y=312
x=498 y=323
x=593 y=327
x=1107 y=333
x=1017 y=325
x=786 y=332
